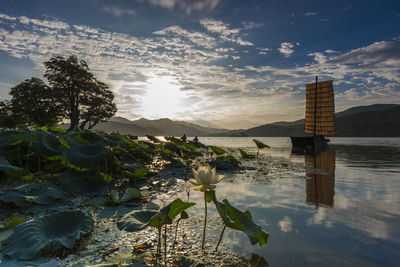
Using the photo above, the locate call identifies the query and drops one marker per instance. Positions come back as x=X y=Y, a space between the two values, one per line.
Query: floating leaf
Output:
x=88 y=157
x=189 y=262
x=230 y=159
x=217 y=150
x=260 y=144
x=131 y=193
x=257 y=261
x=137 y=219
x=180 y=143
x=241 y=221
x=245 y=154
x=47 y=234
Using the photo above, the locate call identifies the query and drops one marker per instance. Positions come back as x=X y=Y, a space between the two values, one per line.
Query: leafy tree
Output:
x=7 y=118
x=80 y=94
x=34 y=103
x=97 y=105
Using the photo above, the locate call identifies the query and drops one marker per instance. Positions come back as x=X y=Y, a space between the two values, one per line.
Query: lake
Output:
x=339 y=208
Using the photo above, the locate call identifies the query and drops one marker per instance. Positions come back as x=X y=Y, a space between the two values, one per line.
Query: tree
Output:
x=80 y=94
x=98 y=105
x=34 y=103
x=7 y=118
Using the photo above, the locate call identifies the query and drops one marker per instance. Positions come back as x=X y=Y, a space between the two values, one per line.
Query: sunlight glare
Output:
x=162 y=99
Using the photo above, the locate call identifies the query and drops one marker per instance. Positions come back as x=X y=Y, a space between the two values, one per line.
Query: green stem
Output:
x=205 y=220
x=220 y=237
x=176 y=233
x=165 y=245
x=158 y=244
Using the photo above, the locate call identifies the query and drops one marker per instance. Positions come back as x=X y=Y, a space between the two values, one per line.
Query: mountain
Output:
x=379 y=120
x=161 y=127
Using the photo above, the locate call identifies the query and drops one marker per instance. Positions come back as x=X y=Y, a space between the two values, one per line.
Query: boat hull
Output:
x=306 y=143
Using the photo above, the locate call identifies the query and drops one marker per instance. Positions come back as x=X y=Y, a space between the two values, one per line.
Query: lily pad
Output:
x=137 y=219
x=47 y=234
x=217 y=150
x=88 y=157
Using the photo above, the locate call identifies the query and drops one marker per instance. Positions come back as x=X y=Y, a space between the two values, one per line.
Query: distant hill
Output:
x=380 y=120
x=161 y=127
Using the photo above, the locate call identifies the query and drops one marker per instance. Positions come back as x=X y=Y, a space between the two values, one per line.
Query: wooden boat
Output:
x=320 y=117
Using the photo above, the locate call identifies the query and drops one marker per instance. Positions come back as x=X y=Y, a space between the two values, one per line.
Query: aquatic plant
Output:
x=47 y=234
x=140 y=219
x=205 y=180
x=260 y=145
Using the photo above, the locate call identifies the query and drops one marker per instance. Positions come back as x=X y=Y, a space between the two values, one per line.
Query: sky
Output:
x=222 y=63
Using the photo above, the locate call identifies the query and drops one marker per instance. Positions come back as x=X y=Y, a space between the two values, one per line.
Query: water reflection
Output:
x=320 y=173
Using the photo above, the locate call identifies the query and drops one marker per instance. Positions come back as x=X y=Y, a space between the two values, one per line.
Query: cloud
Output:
x=248 y=25
x=286 y=49
x=263 y=50
x=187 y=5
x=118 y=12
x=224 y=31
x=311 y=14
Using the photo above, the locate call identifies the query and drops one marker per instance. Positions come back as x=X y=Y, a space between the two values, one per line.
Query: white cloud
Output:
x=225 y=32
x=285 y=224
x=248 y=25
x=187 y=5
x=286 y=49
x=263 y=50
x=118 y=12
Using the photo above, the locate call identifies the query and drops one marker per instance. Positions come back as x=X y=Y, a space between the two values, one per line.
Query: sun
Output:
x=162 y=98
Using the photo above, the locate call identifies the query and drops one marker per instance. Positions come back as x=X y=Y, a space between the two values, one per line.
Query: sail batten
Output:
x=324 y=110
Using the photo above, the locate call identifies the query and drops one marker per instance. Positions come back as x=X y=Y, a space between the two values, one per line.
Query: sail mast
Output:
x=315 y=105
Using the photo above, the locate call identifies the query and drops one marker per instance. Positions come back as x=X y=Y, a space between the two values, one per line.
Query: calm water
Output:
x=345 y=214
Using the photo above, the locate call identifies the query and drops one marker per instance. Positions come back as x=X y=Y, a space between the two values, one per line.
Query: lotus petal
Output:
x=88 y=157
x=47 y=234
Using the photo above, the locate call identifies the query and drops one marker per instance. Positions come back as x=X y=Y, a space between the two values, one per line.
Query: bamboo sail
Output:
x=320 y=109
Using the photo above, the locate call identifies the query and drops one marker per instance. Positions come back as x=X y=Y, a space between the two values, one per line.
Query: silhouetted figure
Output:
x=183 y=138
x=196 y=140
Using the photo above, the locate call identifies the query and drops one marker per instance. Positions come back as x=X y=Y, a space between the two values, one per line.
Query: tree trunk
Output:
x=74 y=117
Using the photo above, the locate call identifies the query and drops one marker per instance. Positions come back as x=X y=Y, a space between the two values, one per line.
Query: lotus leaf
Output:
x=242 y=221
x=130 y=193
x=15 y=172
x=47 y=234
x=169 y=212
x=47 y=144
x=189 y=262
x=260 y=145
x=217 y=150
x=137 y=219
x=11 y=224
x=82 y=182
x=83 y=138
x=13 y=142
x=88 y=157
x=246 y=155
x=180 y=143
x=41 y=196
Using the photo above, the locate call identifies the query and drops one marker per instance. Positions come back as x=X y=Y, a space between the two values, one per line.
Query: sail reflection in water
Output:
x=320 y=182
